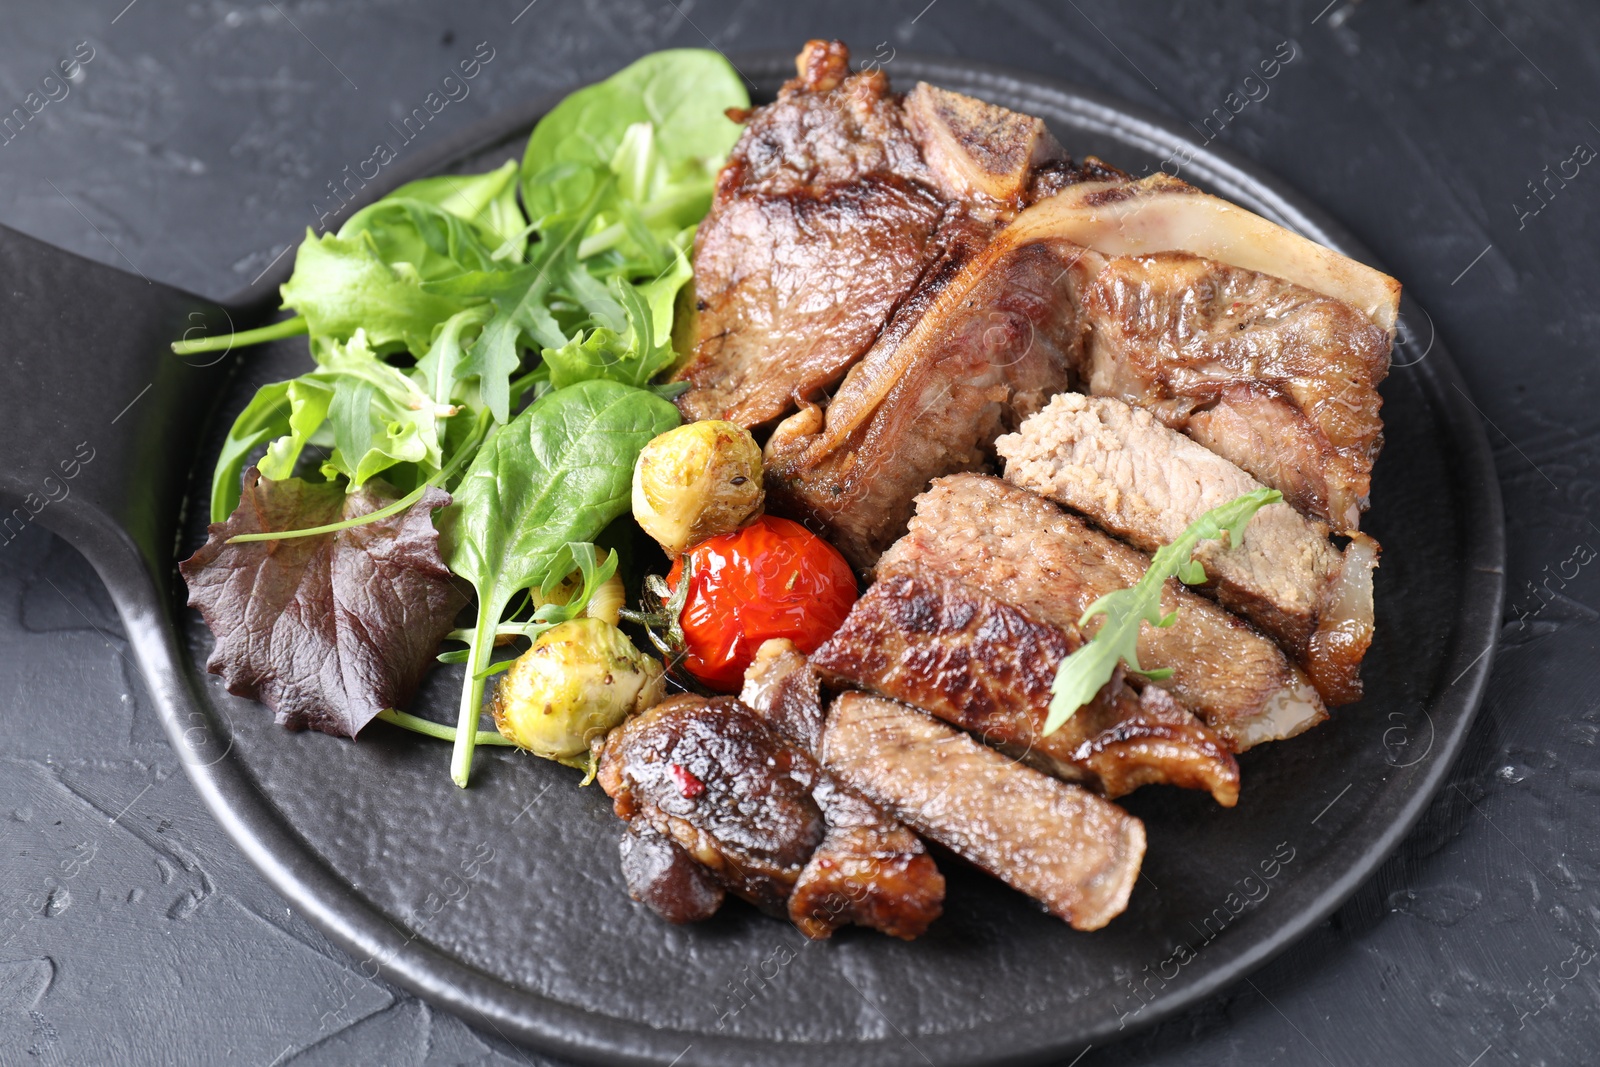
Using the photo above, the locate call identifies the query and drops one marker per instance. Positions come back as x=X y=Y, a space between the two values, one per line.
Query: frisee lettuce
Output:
x=1082 y=674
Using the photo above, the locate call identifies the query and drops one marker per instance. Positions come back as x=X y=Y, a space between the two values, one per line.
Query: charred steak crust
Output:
x=1074 y=852
x=986 y=666
x=837 y=205
x=661 y=875
x=1022 y=549
x=763 y=819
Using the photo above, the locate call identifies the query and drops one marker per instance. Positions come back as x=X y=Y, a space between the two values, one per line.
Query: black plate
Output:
x=505 y=902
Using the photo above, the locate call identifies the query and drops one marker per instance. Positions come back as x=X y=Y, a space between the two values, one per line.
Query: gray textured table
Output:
x=1454 y=137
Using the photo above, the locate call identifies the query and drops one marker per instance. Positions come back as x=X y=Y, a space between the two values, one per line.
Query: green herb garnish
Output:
x=1082 y=674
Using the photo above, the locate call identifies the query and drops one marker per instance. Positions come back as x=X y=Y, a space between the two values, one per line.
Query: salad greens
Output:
x=1082 y=674
x=434 y=314
x=423 y=309
x=557 y=474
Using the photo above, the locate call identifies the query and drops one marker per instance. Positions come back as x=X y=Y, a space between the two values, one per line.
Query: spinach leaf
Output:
x=557 y=473
x=416 y=236
x=678 y=95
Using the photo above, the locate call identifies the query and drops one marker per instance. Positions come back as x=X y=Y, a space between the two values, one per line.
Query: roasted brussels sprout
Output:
x=578 y=680
x=697 y=481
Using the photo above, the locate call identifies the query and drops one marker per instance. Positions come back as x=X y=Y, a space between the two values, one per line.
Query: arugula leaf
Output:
x=487 y=201
x=632 y=357
x=1082 y=674
x=380 y=416
x=557 y=473
x=342 y=284
x=327 y=630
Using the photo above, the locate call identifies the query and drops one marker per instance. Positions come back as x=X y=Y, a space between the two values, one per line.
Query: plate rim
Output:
x=553 y=1026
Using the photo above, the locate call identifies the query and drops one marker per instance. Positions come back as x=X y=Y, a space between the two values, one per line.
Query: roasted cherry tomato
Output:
x=773 y=578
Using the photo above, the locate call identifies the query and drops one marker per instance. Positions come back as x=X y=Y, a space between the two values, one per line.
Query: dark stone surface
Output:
x=193 y=150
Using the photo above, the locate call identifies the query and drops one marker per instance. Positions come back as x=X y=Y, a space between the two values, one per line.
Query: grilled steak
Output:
x=663 y=876
x=763 y=818
x=1279 y=379
x=837 y=200
x=783 y=689
x=869 y=869
x=1022 y=549
x=1147 y=483
x=955 y=652
x=1076 y=853
x=1262 y=345
x=971 y=354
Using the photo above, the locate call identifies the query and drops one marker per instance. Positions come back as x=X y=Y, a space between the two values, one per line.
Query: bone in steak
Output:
x=1075 y=852
x=1147 y=483
x=1022 y=549
x=966 y=359
x=836 y=200
x=1264 y=346
x=955 y=652
x=763 y=818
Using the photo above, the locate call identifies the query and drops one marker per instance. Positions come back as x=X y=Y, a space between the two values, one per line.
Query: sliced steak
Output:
x=782 y=687
x=962 y=363
x=1077 y=854
x=763 y=818
x=1195 y=305
x=869 y=870
x=1022 y=549
x=1279 y=379
x=956 y=652
x=1146 y=483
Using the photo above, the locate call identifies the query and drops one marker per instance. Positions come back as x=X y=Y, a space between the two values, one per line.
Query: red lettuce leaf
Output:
x=326 y=630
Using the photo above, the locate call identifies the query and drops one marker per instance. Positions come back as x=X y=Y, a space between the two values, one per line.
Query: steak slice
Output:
x=1077 y=854
x=869 y=870
x=710 y=778
x=1146 y=483
x=1022 y=549
x=1265 y=346
x=819 y=226
x=1272 y=376
x=985 y=666
x=976 y=350
x=781 y=687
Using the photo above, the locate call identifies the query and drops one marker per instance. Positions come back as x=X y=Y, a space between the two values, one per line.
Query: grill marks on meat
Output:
x=1076 y=853
x=986 y=666
x=1146 y=483
x=1278 y=379
x=1022 y=549
x=711 y=779
x=967 y=358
